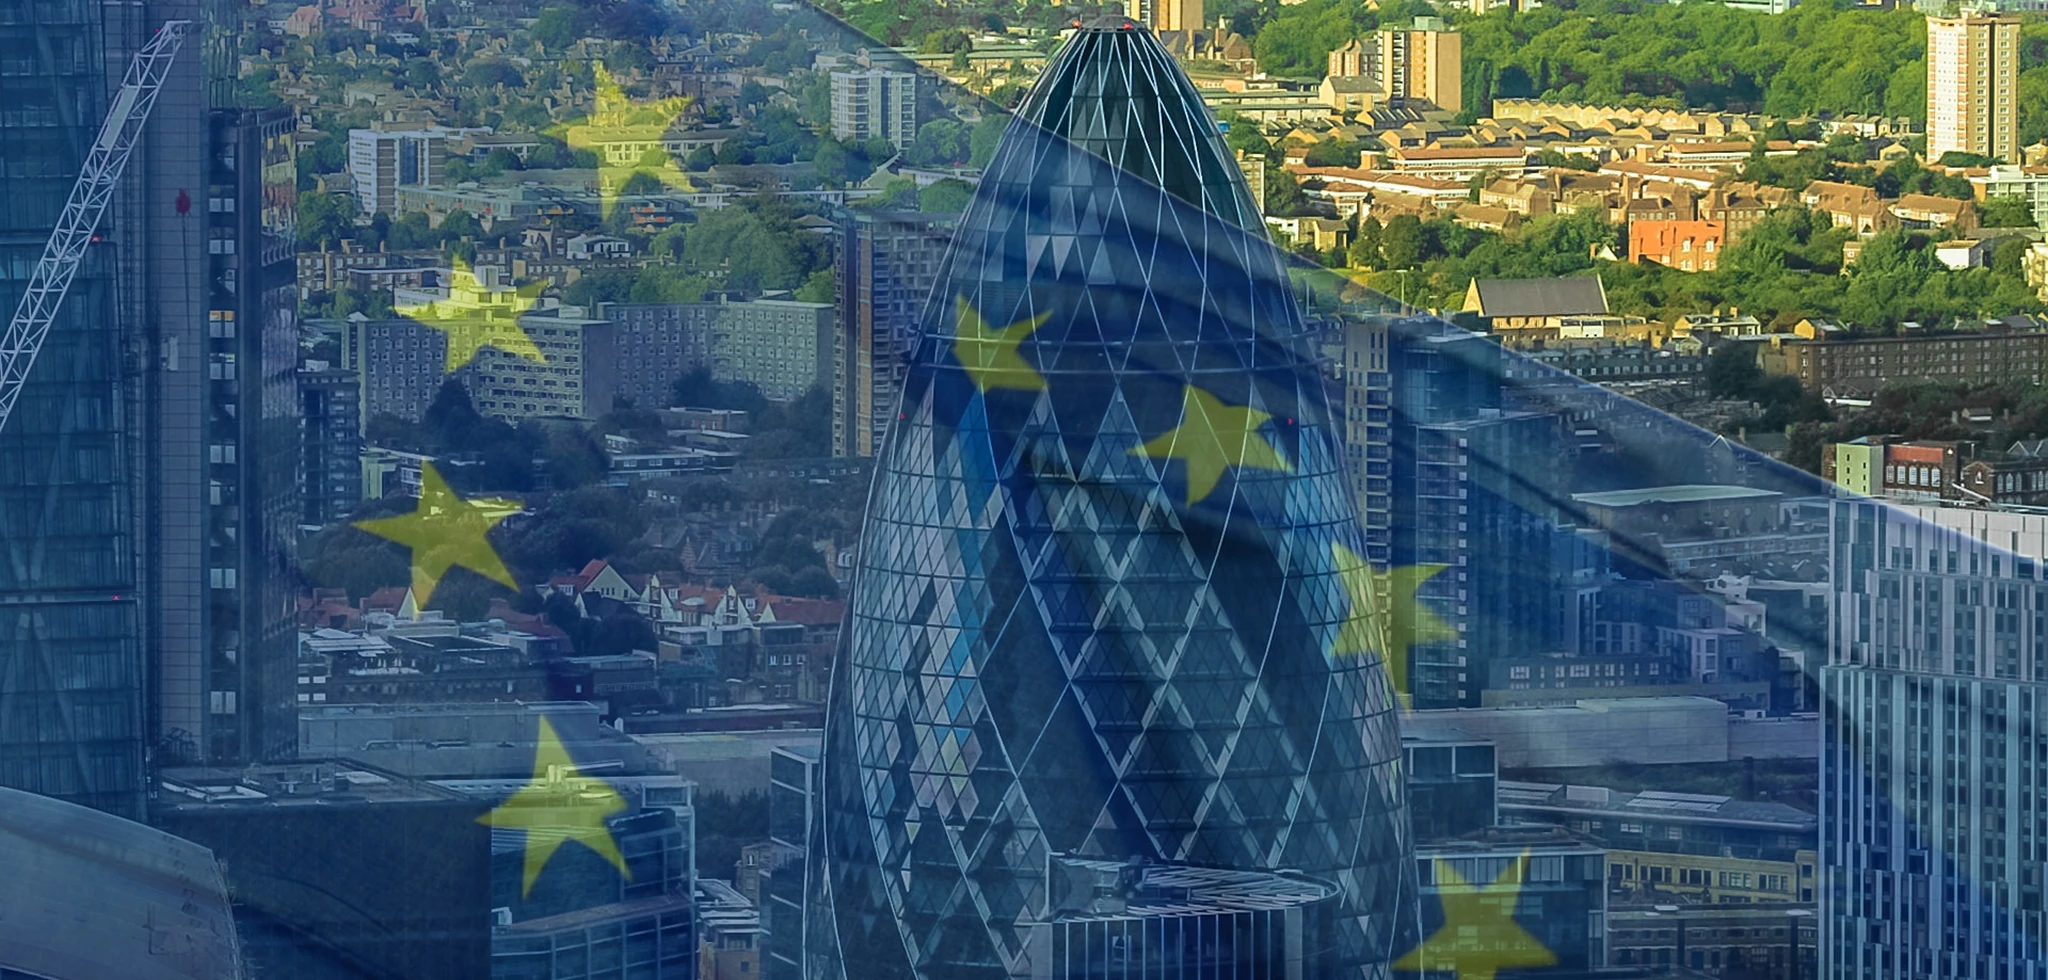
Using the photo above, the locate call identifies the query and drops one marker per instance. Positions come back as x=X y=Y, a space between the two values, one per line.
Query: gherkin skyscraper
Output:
x=1111 y=697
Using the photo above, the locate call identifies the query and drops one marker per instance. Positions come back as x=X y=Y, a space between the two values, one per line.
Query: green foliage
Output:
x=1786 y=267
x=665 y=284
x=1299 y=41
x=939 y=143
x=899 y=193
x=555 y=28
x=698 y=389
x=1283 y=193
x=946 y=41
x=982 y=140
x=1817 y=57
x=799 y=429
x=1240 y=133
x=786 y=561
x=817 y=288
x=752 y=246
x=1732 y=371
x=491 y=73
x=1331 y=153
x=325 y=219
x=1957 y=158
x=948 y=196
x=2006 y=212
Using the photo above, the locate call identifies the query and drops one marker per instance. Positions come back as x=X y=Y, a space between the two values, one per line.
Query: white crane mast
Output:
x=97 y=180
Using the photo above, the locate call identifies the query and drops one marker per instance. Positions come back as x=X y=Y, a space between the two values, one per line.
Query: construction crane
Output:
x=97 y=180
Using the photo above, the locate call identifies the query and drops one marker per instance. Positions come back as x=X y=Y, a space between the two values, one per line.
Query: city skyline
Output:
x=976 y=490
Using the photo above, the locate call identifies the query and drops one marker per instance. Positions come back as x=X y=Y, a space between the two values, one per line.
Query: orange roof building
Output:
x=1689 y=246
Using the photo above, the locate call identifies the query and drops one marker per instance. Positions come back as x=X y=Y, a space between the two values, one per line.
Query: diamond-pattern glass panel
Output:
x=1096 y=610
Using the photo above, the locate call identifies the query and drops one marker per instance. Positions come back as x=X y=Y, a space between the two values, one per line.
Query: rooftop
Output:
x=1540 y=297
x=1097 y=890
x=1681 y=494
x=312 y=783
x=107 y=897
x=1656 y=804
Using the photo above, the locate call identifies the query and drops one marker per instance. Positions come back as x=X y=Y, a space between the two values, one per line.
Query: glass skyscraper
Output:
x=71 y=663
x=1107 y=598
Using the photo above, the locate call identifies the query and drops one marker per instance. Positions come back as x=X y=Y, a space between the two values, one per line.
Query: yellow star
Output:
x=1480 y=936
x=445 y=532
x=1213 y=437
x=1386 y=618
x=476 y=316
x=559 y=805
x=989 y=355
x=615 y=126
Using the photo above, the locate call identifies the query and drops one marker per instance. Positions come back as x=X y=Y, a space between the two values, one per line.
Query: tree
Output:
x=816 y=289
x=949 y=196
x=1402 y=242
x=325 y=219
x=939 y=143
x=1732 y=371
x=2005 y=211
x=1283 y=193
x=982 y=140
x=555 y=28
x=1364 y=252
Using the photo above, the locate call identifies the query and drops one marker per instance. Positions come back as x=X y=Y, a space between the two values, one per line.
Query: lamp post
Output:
x=1794 y=919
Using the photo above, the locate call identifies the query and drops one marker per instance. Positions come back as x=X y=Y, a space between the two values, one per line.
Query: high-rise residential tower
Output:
x=883 y=267
x=1423 y=63
x=1932 y=765
x=1111 y=638
x=1973 y=67
x=1166 y=15
x=875 y=103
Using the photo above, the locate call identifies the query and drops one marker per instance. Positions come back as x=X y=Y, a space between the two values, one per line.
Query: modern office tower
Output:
x=147 y=476
x=330 y=401
x=93 y=895
x=1973 y=64
x=1932 y=772
x=382 y=161
x=1107 y=593
x=248 y=445
x=1368 y=433
x=1424 y=63
x=1181 y=16
x=874 y=103
x=1469 y=500
x=70 y=457
x=1500 y=893
x=793 y=785
x=884 y=265
x=1453 y=784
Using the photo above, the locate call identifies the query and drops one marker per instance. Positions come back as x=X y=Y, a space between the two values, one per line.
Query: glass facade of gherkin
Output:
x=1108 y=602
